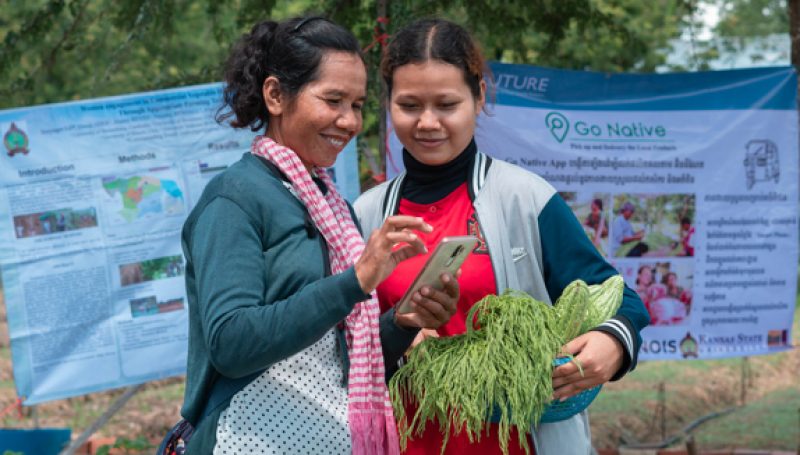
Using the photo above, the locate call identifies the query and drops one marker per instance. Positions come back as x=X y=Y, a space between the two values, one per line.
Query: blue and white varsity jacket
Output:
x=538 y=246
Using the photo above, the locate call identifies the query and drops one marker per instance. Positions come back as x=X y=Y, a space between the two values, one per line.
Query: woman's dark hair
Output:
x=599 y=203
x=290 y=50
x=639 y=272
x=435 y=39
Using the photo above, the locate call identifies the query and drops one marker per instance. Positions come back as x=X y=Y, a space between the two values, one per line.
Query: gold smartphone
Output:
x=448 y=256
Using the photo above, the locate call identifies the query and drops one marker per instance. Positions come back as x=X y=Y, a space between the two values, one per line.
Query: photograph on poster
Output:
x=591 y=209
x=652 y=225
x=150 y=270
x=664 y=287
x=150 y=305
x=53 y=222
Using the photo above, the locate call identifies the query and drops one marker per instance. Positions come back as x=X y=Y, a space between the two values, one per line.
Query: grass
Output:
x=773 y=421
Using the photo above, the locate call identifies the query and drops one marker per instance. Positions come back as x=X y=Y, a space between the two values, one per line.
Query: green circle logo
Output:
x=558 y=125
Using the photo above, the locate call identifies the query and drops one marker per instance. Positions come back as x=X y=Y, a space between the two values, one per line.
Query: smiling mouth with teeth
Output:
x=336 y=142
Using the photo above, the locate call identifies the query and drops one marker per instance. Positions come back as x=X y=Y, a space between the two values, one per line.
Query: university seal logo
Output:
x=16 y=141
x=688 y=346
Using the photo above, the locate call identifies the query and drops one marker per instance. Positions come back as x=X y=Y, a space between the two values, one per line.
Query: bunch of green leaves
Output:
x=501 y=367
x=516 y=340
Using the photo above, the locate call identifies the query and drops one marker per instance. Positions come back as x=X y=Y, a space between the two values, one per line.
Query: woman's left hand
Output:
x=600 y=356
x=431 y=308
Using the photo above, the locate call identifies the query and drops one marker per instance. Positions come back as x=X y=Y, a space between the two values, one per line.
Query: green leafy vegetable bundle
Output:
x=501 y=366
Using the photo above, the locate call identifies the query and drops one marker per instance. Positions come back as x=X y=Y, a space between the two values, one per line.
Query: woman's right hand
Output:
x=379 y=258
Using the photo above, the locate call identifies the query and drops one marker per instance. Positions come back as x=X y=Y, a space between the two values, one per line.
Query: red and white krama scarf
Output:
x=372 y=425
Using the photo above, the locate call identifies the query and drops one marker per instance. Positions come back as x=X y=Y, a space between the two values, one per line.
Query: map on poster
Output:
x=138 y=197
x=686 y=183
x=93 y=195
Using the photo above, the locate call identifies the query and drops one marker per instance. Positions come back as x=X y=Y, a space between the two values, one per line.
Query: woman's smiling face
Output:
x=324 y=115
x=433 y=110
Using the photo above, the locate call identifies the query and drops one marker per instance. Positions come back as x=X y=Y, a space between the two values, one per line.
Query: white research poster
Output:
x=687 y=183
x=93 y=195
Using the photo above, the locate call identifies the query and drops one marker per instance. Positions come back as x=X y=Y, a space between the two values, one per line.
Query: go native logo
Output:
x=558 y=125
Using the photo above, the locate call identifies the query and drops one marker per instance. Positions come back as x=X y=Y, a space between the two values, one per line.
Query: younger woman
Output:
x=530 y=240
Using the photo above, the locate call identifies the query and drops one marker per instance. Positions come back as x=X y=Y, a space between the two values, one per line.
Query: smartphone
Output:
x=448 y=256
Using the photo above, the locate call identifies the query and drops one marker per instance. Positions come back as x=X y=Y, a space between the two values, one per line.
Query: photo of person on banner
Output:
x=652 y=225
x=530 y=239
x=687 y=236
x=287 y=345
x=623 y=234
x=594 y=218
x=664 y=287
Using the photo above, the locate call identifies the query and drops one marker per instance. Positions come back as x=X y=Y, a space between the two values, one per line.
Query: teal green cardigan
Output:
x=259 y=287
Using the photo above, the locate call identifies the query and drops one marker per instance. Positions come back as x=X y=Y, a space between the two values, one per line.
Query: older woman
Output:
x=286 y=348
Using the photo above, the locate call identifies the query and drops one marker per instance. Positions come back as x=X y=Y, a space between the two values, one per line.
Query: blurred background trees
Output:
x=56 y=50
x=61 y=50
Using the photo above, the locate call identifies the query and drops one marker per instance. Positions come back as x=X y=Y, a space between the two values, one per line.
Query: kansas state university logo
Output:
x=16 y=141
x=688 y=346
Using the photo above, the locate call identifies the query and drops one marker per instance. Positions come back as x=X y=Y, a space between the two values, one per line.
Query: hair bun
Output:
x=269 y=49
x=263 y=34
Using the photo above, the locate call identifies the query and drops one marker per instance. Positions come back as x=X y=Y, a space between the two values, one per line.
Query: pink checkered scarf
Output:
x=372 y=424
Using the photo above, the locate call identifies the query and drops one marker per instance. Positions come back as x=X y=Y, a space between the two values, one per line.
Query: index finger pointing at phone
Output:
x=402 y=222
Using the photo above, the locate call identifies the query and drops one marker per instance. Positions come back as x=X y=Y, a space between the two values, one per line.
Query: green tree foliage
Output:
x=749 y=32
x=57 y=50
x=60 y=50
x=747 y=18
x=600 y=35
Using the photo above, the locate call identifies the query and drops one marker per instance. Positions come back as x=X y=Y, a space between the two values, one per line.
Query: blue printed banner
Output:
x=687 y=183
x=93 y=195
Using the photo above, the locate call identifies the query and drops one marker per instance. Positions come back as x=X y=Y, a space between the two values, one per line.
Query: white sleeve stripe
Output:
x=481 y=170
x=623 y=329
x=618 y=326
x=475 y=174
x=391 y=201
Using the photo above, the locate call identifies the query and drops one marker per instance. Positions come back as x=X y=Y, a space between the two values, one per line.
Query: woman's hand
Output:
x=422 y=336
x=379 y=258
x=431 y=308
x=600 y=356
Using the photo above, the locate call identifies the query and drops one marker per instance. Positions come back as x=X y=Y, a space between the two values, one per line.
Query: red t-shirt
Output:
x=450 y=216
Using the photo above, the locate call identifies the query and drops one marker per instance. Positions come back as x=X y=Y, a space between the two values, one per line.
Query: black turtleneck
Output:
x=425 y=184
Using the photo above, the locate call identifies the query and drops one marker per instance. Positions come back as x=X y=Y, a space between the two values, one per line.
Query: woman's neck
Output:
x=425 y=184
